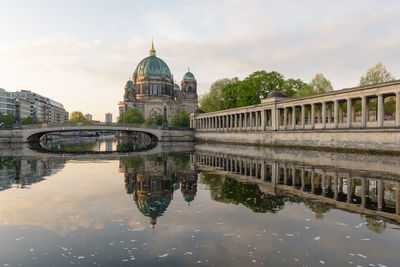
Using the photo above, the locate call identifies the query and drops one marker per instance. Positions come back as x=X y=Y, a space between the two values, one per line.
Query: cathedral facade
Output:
x=152 y=86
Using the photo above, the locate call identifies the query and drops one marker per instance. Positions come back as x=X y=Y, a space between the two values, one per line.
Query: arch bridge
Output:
x=33 y=133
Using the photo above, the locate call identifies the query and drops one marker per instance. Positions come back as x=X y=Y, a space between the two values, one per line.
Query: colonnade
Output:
x=369 y=107
x=368 y=192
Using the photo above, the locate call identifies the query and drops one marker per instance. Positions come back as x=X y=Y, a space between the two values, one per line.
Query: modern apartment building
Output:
x=89 y=116
x=43 y=108
x=108 y=118
x=32 y=104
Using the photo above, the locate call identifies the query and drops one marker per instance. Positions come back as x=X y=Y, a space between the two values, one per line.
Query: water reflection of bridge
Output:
x=355 y=190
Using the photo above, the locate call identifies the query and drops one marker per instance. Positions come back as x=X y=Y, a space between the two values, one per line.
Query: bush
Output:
x=181 y=120
x=149 y=121
x=8 y=119
x=133 y=115
x=27 y=120
x=159 y=119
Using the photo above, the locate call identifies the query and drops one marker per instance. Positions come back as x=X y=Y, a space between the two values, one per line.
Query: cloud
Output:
x=216 y=39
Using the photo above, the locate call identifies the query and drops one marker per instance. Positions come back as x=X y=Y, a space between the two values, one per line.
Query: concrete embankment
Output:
x=372 y=140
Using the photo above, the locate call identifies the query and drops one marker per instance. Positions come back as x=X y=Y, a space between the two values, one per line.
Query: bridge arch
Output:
x=35 y=133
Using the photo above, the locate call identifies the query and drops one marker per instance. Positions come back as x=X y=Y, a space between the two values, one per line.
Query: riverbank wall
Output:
x=367 y=140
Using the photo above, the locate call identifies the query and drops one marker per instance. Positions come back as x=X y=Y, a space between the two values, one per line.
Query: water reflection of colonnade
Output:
x=350 y=189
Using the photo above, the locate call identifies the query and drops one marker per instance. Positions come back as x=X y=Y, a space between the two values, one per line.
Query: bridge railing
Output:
x=69 y=124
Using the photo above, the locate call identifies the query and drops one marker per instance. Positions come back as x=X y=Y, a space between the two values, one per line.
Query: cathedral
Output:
x=152 y=86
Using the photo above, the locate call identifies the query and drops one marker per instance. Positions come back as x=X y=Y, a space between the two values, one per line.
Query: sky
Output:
x=81 y=53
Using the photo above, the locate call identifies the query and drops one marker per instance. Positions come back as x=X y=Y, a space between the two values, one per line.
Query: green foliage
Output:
x=159 y=119
x=373 y=224
x=293 y=87
x=77 y=116
x=180 y=160
x=318 y=85
x=376 y=74
x=212 y=100
x=8 y=119
x=7 y=164
x=27 y=120
x=133 y=163
x=133 y=115
x=252 y=89
x=228 y=190
x=181 y=120
x=149 y=121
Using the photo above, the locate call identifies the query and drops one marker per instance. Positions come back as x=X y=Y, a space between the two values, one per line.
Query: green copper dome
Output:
x=152 y=66
x=176 y=87
x=188 y=76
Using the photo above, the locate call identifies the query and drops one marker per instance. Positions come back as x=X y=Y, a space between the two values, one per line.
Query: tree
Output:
x=77 y=116
x=7 y=120
x=212 y=100
x=319 y=84
x=376 y=74
x=133 y=115
x=181 y=120
x=293 y=87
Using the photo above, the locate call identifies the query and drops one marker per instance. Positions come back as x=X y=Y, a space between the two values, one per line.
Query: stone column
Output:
x=323 y=115
x=348 y=186
x=263 y=120
x=273 y=118
x=303 y=116
x=335 y=113
x=397 y=197
x=294 y=117
x=323 y=183
x=381 y=111
x=245 y=120
x=335 y=187
x=397 y=112
x=312 y=116
x=312 y=180
x=330 y=113
x=285 y=118
x=380 y=194
x=257 y=125
x=363 y=192
x=319 y=114
x=341 y=113
x=349 y=109
x=285 y=174
x=302 y=179
x=363 y=111
x=293 y=175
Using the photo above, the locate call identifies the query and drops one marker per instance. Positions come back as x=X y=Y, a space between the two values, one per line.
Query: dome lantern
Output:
x=152 y=50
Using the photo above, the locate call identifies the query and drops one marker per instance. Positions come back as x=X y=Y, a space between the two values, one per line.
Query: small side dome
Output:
x=188 y=76
x=129 y=83
x=276 y=94
x=198 y=111
x=176 y=87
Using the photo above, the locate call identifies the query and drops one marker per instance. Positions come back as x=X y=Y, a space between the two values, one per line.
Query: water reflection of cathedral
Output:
x=152 y=182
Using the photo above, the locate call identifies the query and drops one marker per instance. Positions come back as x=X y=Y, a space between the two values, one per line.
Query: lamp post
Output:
x=165 y=121
x=17 y=112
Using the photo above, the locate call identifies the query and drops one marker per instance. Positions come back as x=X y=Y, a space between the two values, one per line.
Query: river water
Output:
x=206 y=205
